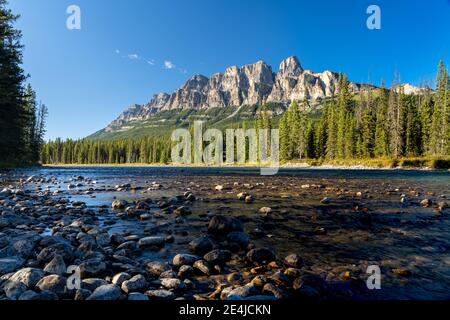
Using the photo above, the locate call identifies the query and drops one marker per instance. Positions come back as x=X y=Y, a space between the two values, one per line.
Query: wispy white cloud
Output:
x=168 y=65
x=133 y=56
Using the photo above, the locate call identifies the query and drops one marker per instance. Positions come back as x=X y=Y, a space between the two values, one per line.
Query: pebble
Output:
x=240 y=238
x=265 y=210
x=136 y=296
x=136 y=283
x=28 y=276
x=203 y=267
x=53 y=283
x=152 y=242
x=106 y=292
x=260 y=256
x=401 y=272
x=222 y=225
x=160 y=295
x=201 y=245
x=425 y=203
x=173 y=284
x=217 y=256
x=56 y=266
x=91 y=284
x=184 y=259
x=185 y=271
x=155 y=268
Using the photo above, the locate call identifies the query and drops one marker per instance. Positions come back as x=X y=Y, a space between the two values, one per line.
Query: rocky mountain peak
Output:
x=250 y=84
x=290 y=67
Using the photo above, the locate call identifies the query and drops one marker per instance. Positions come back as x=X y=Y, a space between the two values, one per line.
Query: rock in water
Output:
x=221 y=225
x=173 y=284
x=28 y=276
x=10 y=264
x=92 y=283
x=92 y=268
x=13 y=290
x=155 y=268
x=425 y=203
x=106 y=292
x=217 y=256
x=203 y=267
x=135 y=296
x=53 y=283
x=137 y=283
x=244 y=291
x=160 y=295
x=241 y=238
x=147 y=242
x=185 y=271
x=184 y=259
x=260 y=256
x=265 y=210
x=201 y=245
x=119 y=278
x=249 y=199
x=119 y=204
x=56 y=266
x=293 y=260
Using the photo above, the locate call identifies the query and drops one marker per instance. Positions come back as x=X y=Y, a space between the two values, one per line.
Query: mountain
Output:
x=410 y=89
x=249 y=85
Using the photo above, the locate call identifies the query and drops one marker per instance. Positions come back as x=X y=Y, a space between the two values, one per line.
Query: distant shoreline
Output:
x=371 y=164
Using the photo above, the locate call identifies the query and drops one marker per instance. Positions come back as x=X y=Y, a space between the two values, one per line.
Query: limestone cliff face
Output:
x=249 y=85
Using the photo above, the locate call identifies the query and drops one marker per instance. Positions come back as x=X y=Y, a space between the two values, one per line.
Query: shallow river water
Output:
x=365 y=222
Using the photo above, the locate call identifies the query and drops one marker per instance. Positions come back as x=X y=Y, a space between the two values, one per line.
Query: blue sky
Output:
x=128 y=50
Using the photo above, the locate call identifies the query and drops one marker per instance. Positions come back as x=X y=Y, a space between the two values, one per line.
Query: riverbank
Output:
x=401 y=163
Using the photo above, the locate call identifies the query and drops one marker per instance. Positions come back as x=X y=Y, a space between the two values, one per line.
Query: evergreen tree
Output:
x=13 y=115
x=344 y=126
x=395 y=119
x=381 y=148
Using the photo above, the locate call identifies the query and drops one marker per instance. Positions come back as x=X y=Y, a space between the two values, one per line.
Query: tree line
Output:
x=373 y=124
x=85 y=151
x=22 y=118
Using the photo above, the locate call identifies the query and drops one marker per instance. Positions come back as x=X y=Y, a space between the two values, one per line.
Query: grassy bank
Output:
x=406 y=163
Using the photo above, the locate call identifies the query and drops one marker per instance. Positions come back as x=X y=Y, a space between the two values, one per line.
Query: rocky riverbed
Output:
x=178 y=233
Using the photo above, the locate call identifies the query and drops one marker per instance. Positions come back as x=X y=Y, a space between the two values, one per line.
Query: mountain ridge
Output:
x=250 y=84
